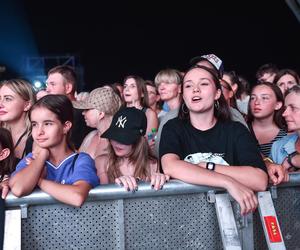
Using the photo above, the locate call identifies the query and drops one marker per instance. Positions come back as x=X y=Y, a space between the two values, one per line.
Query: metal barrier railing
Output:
x=112 y=191
x=186 y=219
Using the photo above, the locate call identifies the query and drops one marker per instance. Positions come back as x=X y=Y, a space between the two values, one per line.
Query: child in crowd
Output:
x=203 y=146
x=135 y=95
x=16 y=98
x=285 y=153
x=53 y=166
x=7 y=160
x=265 y=116
x=98 y=110
x=130 y=158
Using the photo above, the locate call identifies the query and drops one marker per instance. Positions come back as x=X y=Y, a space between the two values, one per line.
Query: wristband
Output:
x=289 y=158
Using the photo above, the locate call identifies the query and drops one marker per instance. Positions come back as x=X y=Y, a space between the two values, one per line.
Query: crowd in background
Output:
x=204 y=126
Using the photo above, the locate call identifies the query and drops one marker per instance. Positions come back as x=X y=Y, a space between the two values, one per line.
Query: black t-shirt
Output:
x=79 y=130
x=228 y=141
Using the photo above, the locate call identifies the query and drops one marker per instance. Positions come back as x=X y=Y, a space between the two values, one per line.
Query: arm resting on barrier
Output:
x=24 y=181
x=194 y=174
x=253 y=178
x=74 y=195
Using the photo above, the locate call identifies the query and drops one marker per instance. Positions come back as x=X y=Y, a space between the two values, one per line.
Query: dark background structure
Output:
x=116 y=38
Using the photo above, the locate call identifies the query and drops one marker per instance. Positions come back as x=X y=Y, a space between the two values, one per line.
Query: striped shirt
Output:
x=265 y=148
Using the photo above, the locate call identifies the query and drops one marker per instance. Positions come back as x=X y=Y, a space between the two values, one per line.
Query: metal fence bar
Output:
x=246 y=232
x=112 y=192
x=12 y=231
x=270 y=222
x=227 y=224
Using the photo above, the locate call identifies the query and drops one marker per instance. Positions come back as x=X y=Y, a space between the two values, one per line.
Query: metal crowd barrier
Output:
x=180 y=216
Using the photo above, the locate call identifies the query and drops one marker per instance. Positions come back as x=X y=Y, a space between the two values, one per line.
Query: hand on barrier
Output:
x=4 y=187
x=277 y=173
x=128 y=182
x=158 y=180
x=244 y=196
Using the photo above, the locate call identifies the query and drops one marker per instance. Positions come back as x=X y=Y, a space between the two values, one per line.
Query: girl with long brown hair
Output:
x=129 y=158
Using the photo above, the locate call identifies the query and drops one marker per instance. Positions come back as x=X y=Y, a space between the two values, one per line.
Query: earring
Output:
x=183 y=109
x=217 y=104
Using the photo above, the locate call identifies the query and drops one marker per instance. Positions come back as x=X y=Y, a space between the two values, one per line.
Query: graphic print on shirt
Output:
x=196 y=158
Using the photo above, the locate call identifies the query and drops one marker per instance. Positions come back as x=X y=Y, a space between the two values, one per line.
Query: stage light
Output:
x=37 y=84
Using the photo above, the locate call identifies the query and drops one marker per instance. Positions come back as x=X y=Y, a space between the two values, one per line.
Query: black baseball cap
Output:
x=127 y=126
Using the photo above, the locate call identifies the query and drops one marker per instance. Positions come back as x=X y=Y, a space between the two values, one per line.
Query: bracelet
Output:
x=267 y=159
x=289 y=158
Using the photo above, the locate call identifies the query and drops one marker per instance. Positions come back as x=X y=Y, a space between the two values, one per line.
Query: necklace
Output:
x=20 y=138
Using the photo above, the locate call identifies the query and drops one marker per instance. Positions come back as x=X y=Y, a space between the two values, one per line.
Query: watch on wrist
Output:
x=289 y=158
x=210 y=166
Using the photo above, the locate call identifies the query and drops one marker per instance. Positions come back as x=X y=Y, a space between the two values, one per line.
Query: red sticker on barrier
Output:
x=273 y=229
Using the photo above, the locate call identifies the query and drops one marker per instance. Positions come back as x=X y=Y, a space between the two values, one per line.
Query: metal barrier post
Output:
x=270 y=222
x=12 y=230
x=227 y=225
x=246 y=231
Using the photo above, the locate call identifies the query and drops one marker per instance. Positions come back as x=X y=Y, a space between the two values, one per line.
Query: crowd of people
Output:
x=204 y=126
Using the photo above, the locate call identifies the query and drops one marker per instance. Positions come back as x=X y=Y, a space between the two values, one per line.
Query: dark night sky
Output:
x=141 y=37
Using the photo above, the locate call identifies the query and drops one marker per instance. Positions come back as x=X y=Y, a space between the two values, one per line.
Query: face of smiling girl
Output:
x=12 y=106
x=47 y=130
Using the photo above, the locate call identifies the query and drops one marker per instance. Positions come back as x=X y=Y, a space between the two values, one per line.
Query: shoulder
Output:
x=175 y=126
x=101 y=160
x=149 y=112
x=292 y=138
x=22 y=163
x=83 y=157
x=233 y=129
x=87 y=139
x=235 y=126
x=174 y=122
x=101 y=163
x=91 y=134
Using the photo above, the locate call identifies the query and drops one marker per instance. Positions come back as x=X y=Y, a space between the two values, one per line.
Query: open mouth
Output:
x=196 y=99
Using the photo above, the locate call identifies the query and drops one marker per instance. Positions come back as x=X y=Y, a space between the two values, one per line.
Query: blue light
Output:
x=37 y=84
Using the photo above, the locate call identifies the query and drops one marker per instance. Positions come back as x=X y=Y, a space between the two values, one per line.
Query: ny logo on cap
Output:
x=121 y=121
